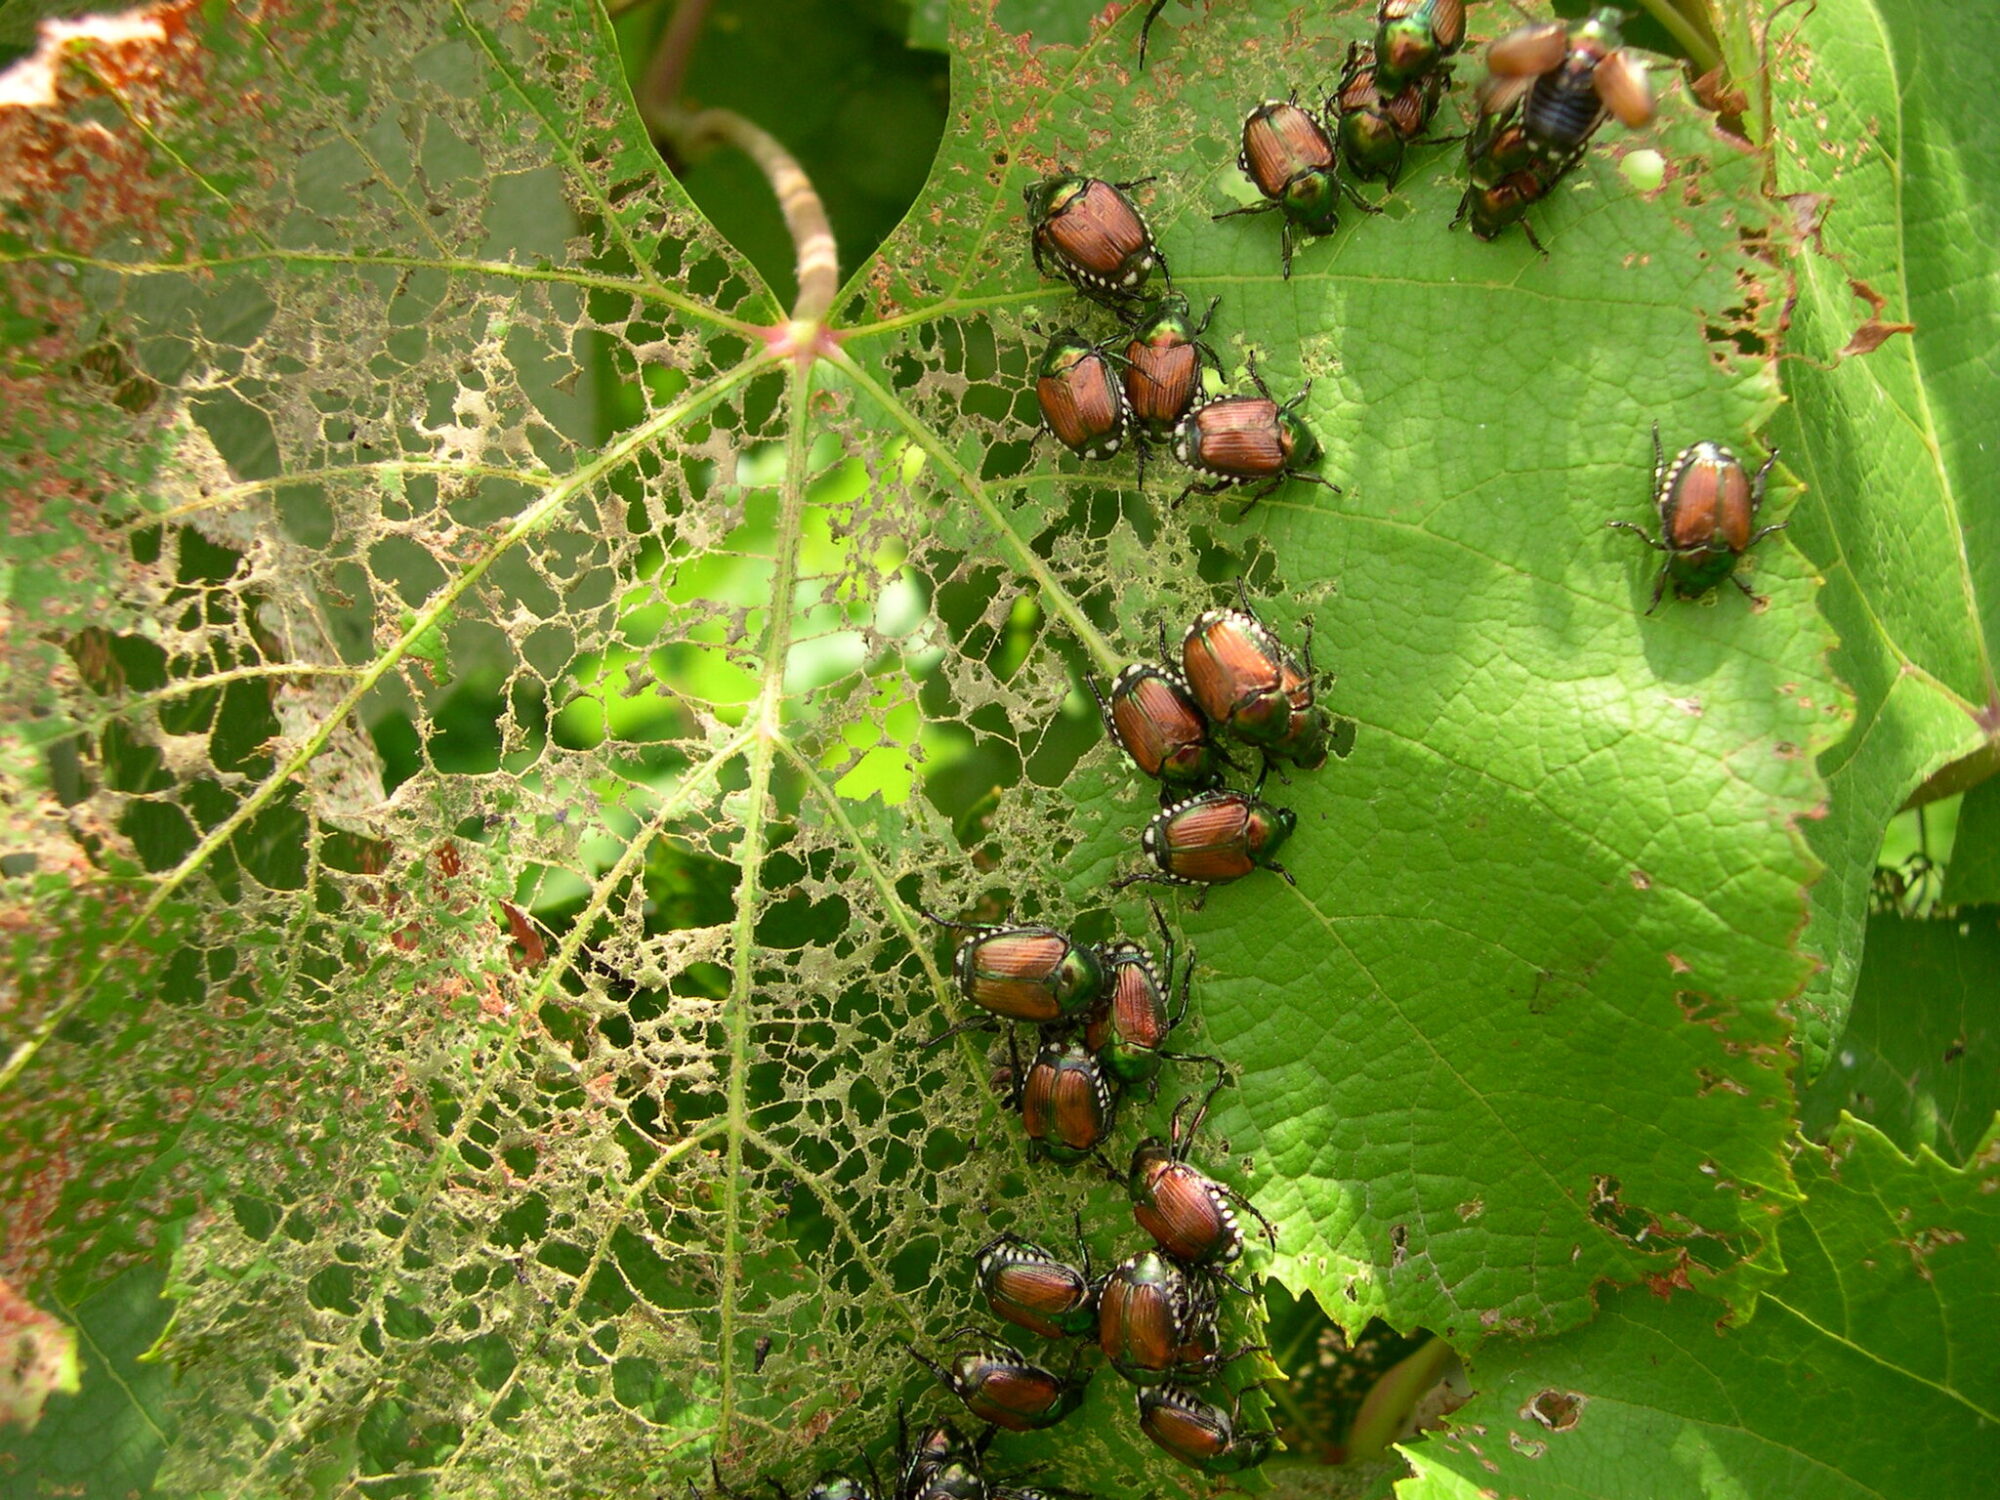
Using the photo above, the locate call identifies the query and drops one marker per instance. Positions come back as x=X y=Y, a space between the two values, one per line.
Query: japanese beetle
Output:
x=1030 y=1287
x=1153 y=716
x=997 y=1385
x=1201 y=1435
x=1213 y=838
x=1156 y=1322
x=1413 y=37
x=1033 y=974
x=1066 y=1102
x=1290 y=159
x=1242 y=439
x=1090 y=232
x=1082 y=402
x=1187 y=1212
x=828 y=1487
x=1548 y=89
x=1250 y=685
x=1491 y=207
x=1566 y=78
x=1377 y=120
x=1707 y=505
x=1163 y=364
x=1128 y=1025
x=942 y=1465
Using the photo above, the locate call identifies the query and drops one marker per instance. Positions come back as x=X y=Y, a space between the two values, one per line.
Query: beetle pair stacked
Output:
x=1157 y=1310
x=1549 y=86
x=1392 y=88
x=1237 y=679
x=1102 y=1014
x=1088 y=232
x=1386 y=100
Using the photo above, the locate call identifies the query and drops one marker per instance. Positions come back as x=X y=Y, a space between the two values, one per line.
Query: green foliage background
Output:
x=483 y=729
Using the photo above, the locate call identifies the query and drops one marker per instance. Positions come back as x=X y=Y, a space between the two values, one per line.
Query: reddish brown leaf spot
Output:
x=1874 y=331
x=530 y=952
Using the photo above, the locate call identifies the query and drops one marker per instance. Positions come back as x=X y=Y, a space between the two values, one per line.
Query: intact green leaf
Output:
x=1920 y=1059
x=1886 y=147
x=1868 y=1372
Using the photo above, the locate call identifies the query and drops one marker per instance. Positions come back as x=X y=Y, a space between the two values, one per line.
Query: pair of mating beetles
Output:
x=1238 y=679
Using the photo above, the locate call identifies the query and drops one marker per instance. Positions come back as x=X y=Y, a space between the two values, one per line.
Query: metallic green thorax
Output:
x=1312 y=200
x=1064 y=354
x=1047 y=199
x=1301 y=447
x=1165 y=321
x=1408 y=47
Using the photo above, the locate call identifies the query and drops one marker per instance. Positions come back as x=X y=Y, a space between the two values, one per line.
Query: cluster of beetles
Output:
x=1549 y=86
x=1103 y=1014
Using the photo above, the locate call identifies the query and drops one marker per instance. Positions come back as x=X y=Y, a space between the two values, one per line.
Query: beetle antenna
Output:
x=948 y=922
x=944 y=1375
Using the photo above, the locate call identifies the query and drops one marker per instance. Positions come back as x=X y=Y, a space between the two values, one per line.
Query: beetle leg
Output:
x=1640 y=532
x=1221 y=1067
x=1290 y=879
x=1759 y=535
x=1757 y=482
x=1146 y=29
x=1534 y=239
x=975 y=1023
x=1250 y=364
x=1748 y=592
x=1285 y=248
x=1103 y=707
x=1659 y=586
x=1221 y=1275
x=1354 y=196
x=1659 y=459
x=1254 y=208
x=1270 y=1231
x=1196 y=488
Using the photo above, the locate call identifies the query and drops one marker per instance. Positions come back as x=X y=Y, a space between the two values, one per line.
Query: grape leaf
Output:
x=1916 y=1060
x=1889 y=1291
x=1884 y=154
x=547 y=1112
x=1973 y=876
